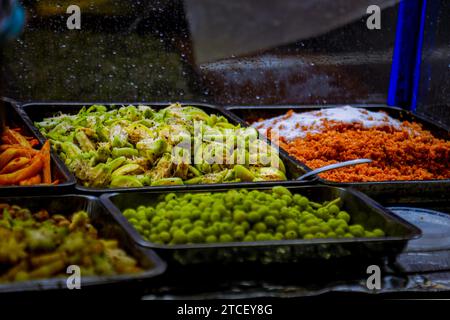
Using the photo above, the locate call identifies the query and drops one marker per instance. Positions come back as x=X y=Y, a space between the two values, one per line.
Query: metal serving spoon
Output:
x=334 y=166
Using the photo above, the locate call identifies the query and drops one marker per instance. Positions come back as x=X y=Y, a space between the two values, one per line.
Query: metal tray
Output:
x=107 y=227
x=362 y=209
x=385 y=192
x=32 y=112
x=59 y=171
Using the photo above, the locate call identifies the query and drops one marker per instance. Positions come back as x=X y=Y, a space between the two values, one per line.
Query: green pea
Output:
x=205 y=216
x=215 y=229
x=291 y=226
x=320 y=235
x=245 y=225
x=139 y=229
x=156 y=220
x=211 y=239
x=303 y=230
x=225 y=227
x=239 y=216
x=340 y=232
x=342 y=223
x=146 y=225
x=249 y=238
x=239 y=235
x=129 y=213
x=331 y=234
x=194 y=215
x=187 y=227
x=263 y=237
x=185 y=221
x=226 y=238
x=254 y=216
x=324 y=228
x=303 y=202
x=344 y=216
x=356 y=230
x=133 y=221
x=314 y=229
x=263 y=211
x=195 y=236
x=369 y=234
x=279 y=236
x=154 y=238
x=333 y=223
x=199 y=223
x=378 y=233
x=280 y=190
x=140 y=215
x=348 y=235
x=177 y=223
x=271 y=221
x=170 y=196
x=252 y=233
x=164 y=225
x=287 y=199
x=291 y=234
x=260 y=227
x=165 y=236
x=311 y=222
x=214 y=217
x=333 y=209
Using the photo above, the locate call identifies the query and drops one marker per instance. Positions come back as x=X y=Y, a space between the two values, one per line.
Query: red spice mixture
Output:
x=411 y=153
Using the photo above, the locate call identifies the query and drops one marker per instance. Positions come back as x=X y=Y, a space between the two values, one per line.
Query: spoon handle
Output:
x=334 y=166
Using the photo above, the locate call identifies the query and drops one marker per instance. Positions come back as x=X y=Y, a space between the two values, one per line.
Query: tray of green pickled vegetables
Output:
x=136 y=146
x=43 y=240
x=262 y=224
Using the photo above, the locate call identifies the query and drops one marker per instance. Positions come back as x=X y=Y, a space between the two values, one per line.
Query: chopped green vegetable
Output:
x=158 y=147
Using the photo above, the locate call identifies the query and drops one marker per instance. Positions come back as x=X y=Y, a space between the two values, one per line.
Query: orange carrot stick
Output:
x=12 y=153
x=15 y=165
x=31 y=181
x=46 y=171
x=15 y=137
x=5 y=147
x=22 y=174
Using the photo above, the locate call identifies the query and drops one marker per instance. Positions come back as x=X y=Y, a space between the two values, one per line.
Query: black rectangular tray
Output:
x=386 y=192
x=33 y=112
x=59 y=171
x=360 y=207
x=107 y=226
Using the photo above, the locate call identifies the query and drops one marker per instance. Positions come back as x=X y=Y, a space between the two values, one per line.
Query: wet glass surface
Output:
x=434 y=90
x=141 y=51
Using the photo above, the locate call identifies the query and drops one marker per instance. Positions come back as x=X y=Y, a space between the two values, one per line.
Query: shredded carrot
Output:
x=20 y=164
x=46 y=171
x=408 y=153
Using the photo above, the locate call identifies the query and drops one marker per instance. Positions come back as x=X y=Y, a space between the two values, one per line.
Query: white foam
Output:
x=298 y=125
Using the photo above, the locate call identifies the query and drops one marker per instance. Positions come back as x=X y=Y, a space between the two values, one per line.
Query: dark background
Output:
x=141 y=50
x=434 y=83
x=131 y=50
